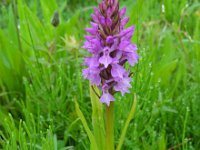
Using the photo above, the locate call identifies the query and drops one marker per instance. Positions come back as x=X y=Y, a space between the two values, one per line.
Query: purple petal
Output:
x=124 y=21
x=95 y=18
x=122 y=12
x=132 y=58
x=106 y=98
x=110 y=39
x=106 y=59
x=126 y=46
x=117 y=71
x=118 y=55
x=126 y=33
x=93 y=46
x=94 y=25
x=115 y=5
x=91 y=62
x=115 y=45
x=108 y=22
x=109 y=12
x=96 y=11
x=92 y=31
x=88 y=37
x=123 y=85
x=92 y=74
x=123 y=45
x=102 y=20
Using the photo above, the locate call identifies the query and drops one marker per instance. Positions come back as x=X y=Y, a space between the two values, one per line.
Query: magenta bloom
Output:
x=109 y=44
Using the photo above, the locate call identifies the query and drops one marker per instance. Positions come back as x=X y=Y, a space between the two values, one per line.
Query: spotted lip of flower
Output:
x=109 y=44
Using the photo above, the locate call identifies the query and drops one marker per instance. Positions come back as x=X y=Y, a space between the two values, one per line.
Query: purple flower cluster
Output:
x=109 y=44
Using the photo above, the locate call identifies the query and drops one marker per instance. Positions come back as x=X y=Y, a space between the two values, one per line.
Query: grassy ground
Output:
x=40 y=76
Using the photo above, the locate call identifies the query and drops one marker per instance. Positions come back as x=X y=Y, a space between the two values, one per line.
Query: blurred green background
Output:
x=40 y=75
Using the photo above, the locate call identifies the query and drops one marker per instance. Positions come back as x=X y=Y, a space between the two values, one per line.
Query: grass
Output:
x=40 y=76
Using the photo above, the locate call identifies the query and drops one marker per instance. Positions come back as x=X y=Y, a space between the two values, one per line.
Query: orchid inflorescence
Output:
x=109 y=44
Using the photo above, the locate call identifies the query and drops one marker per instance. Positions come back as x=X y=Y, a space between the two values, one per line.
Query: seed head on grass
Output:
x=109 y=44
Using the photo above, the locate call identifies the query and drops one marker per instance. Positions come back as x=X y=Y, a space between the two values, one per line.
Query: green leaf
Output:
x=87 y=129
x=97 y=117
x=130 y=117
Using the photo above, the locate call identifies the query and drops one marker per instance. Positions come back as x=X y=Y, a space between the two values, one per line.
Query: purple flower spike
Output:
x=110 y=46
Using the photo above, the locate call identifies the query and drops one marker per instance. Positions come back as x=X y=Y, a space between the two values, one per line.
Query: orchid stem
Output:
x=110 y=127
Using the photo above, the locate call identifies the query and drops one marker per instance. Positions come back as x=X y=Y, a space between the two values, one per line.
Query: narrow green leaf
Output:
x=130 y=117
x=87 y=129
x=97 y=117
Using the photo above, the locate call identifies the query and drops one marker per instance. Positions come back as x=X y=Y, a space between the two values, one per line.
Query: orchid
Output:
x=110 y=46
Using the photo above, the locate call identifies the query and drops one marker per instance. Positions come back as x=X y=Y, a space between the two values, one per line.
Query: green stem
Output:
x=110 y=127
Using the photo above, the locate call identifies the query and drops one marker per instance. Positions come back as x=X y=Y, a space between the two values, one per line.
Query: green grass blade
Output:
x=87 y=129
x=130 y=117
